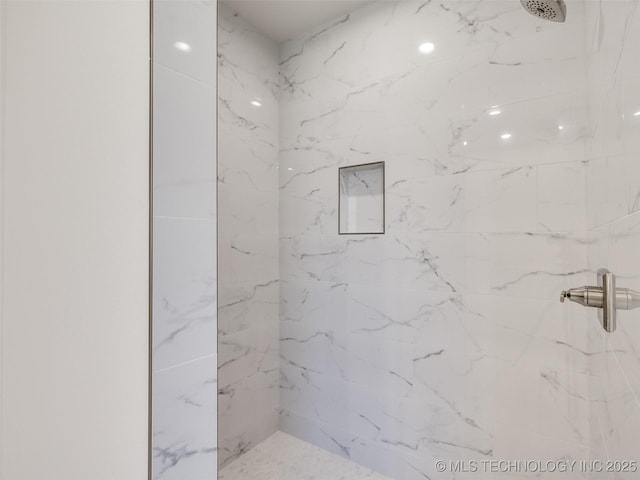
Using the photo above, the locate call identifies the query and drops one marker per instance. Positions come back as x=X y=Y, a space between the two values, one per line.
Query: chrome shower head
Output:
x=554 y=10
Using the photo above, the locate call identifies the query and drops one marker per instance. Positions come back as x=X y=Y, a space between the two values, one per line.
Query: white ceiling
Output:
x=286 y=19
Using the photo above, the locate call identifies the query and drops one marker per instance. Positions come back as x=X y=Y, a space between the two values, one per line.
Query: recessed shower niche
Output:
x=377 y=346
x=361 y=199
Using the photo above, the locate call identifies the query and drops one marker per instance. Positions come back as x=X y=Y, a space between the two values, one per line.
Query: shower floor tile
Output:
x=283 y=457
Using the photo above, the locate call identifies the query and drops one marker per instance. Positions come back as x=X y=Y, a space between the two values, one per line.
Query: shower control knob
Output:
x=627 y=299
x=605 y=296
x=587 y=296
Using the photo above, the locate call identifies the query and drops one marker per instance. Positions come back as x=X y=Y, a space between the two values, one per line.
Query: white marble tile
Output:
x=184 y=362
x=436 y=373
x=246 y=353
x=402 y=348
x=248 y=61
x=248 y=105
x=245 y=422
x=612 y=217
x=248 y=394
x=326 y=436
x=400 y=29
x=606 y=37
x=612 y=184
x=301 y=216
x=414 y=459
x=248 y=150
x=618 y=253
x=523 y=264
x=257 y=160
x=248 y=238
x=525 y=133
x=251 y=257
x=309 y=170
x=500 y=200
x=561 y=197
x=246 y=305
x=509 y=264
x=615 y=125
x=184 y=40
x=184 y=140
x=305 y=306
x=539 y=449
x=248 y=210
x=538 y=333
x=413 y=151
x=489 y=392
x=313 y=258
x=184 y=442
x=615 y=408
x=628 y=66
x=184 y=290
x=540 y=65
x=387 y=335
x=342 y=110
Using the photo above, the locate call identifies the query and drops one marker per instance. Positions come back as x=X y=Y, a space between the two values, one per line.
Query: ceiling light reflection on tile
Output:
x=256 y=102
x=495 y=112
x=427 y=48
x=182 y=46
x=505 y=136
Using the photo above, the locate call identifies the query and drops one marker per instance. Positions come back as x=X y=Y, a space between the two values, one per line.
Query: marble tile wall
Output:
x=613 y=219
x=247 y=236
x=442 y=339
x=184 y=419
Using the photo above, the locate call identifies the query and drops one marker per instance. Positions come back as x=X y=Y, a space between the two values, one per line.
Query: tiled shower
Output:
x=510 y=153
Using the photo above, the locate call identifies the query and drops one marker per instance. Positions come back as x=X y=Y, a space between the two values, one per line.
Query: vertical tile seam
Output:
x=3 y=103
x=150 y=256
x=217 y=246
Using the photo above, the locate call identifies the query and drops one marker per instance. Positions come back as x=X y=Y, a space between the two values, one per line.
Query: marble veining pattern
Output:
x=511 y=175
x=247 y=236
x=613 y=219
x=184 y=348
x=184 y=439
x=443 y=338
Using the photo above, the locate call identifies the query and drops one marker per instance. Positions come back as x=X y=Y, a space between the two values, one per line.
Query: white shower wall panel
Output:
x=613 y=173
x=247 y=236
x=184 y=357
x=442 y=339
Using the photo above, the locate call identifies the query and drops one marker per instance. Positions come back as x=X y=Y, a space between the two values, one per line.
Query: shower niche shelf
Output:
x=361 y=199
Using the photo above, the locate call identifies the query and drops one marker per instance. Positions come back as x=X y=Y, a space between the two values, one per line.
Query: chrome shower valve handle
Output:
x=606 y=297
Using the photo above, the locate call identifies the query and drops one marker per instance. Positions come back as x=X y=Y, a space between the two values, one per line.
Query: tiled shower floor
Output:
x=283 y=457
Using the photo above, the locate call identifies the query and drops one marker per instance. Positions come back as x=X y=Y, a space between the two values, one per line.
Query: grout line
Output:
x=170 y=217
x=184 y=75
x=150 y=253
x=216 y=239
x=182 y=364
x=3 y=103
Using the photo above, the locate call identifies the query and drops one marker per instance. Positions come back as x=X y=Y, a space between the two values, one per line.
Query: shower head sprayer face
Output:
x=553 y=10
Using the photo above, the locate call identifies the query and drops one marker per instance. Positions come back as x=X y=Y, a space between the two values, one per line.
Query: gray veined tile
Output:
x=184 y=290
x=184 y=423
x=248 y=178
